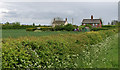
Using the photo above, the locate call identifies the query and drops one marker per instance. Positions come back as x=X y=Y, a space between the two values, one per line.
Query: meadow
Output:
x=15 y=33
x=95 y=49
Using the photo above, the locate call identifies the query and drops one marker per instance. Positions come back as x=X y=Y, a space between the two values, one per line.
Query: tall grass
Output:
x=101 y=55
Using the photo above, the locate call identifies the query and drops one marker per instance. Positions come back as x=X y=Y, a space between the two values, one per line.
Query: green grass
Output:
x=15 y=33
x=101 y=55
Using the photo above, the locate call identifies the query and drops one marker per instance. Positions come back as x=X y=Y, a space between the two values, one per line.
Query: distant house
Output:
x=59 y=21
x=92 y=22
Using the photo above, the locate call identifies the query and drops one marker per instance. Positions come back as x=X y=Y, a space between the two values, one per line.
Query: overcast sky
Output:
x=44 y=12
x=59 y=0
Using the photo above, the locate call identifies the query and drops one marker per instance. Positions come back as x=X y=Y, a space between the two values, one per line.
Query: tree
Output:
x=7 y=23
x=59 y=28
x=69 y=27
x=33 y=24
x=39 y=25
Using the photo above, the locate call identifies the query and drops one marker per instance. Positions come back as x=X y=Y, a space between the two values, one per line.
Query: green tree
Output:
x=69 y=27
x=33 y=24
x=59 y=28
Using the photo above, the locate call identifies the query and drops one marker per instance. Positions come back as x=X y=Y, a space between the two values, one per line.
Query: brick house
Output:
x=92 y=22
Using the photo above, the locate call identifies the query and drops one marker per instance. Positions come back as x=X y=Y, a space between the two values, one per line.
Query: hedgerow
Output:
x=55 y=51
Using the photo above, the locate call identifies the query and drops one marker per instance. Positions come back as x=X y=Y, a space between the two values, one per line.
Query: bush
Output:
x=30 y=29
x=69 y=27
x=109 y=26
x=58 y=28
x=97 y=29
x=45 y=28
x=88 y=26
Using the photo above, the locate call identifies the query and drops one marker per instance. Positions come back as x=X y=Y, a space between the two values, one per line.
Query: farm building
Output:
x=92 y=22
x=59 y=21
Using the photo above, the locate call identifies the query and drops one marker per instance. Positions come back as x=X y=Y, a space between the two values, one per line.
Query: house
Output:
x=59 y=21
x=92 y=22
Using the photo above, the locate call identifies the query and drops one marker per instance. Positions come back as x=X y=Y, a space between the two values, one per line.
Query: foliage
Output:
x=100 y=55
x=58 y=28
x=69 y=27
x=33 y=24
x=75 y=26
x=46 y=29
x=87 y=25
x=109 y=26
x=81 y=27
x=97 y=29
x=15 y=25
x=55 y=51
x=30 y=29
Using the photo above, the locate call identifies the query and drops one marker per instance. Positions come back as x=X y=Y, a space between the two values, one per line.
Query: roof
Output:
x=58 y=19
x=91 y=20
x=58 y=22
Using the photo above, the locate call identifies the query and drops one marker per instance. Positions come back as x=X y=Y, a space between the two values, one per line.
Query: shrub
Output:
x=109 y=26
x=97 y=29
x=30 y=29
x=88 y=26
x=58 y=28
x=69 y=27
x=46 y=29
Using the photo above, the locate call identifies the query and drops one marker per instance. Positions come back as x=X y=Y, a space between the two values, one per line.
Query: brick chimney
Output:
x=91 y=17
x=65 y=19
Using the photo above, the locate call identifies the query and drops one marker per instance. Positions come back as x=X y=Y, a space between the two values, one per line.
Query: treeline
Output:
x=16 y=25
x=68 y=27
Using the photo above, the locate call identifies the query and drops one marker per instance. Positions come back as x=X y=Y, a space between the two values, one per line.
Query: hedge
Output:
x=30 y=29
x=97 y=29
x=55 y=51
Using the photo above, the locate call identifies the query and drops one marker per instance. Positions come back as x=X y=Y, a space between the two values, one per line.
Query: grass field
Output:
x=15 y=33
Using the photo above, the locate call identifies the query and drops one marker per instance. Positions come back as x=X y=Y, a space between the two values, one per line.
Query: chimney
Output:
x=65 y=19
x=91 y=17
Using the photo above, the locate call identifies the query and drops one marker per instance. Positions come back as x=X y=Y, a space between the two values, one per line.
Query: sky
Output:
x=59 y=0
x=119 y=11
x=44 y=12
